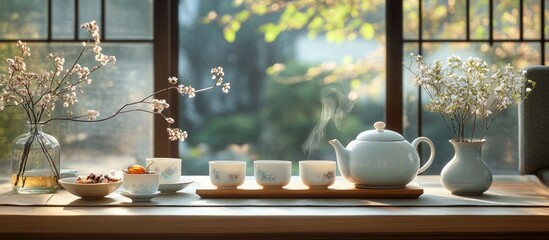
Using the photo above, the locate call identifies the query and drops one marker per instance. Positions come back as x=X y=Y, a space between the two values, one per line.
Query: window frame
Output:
x=165 y=43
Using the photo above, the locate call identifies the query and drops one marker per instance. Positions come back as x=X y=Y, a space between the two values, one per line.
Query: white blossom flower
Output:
x=226 y=87
x=191 y=92
x=92 y=115
x=159 y=105
x=175 y=134
x=170 y=120
x=182 y=89
x=173 y=80
x=217 y=74
x=25 y=50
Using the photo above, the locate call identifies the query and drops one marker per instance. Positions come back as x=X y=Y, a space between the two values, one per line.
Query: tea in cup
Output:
x=227 y=174
x=169 y=169
x=272 y=173
x=317 y=174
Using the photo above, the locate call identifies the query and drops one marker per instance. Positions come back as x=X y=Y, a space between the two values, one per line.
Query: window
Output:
x=500 y=32
x=270 y=116
x=277 y=83
x=127 y=33
x=278 y=76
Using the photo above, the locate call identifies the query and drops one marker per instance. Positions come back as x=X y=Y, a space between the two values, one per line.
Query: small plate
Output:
x=174 y=187
x=140 y=197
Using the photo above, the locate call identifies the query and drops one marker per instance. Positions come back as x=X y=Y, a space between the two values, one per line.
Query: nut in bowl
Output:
x=87 y=188
x=272 y=173
x=227 y=174
x=317 y=174
x=139 y=180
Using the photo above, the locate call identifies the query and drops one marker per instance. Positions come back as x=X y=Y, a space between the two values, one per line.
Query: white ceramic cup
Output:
x=141 y=183
x=272 y=173
x=227 y=174
x=317 y=174
x=169 y=169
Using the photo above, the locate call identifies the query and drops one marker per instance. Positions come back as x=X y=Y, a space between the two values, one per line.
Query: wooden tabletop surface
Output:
x=515 y=206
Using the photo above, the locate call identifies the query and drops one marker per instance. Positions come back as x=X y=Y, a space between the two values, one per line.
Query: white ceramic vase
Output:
x=466 y=173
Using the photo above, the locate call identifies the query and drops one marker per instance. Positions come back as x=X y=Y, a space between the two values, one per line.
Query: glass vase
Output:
x=35 y=162
x=466 y=173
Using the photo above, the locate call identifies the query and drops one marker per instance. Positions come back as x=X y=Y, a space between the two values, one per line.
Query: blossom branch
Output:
x=158 y=105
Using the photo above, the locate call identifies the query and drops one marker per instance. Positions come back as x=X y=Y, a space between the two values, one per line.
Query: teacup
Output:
x=142 y=183
x=169 y=169
x=272 y=173
x=227 y=174
x=317 y=174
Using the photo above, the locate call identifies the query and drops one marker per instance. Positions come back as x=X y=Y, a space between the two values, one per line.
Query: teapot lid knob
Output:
x=379 y=126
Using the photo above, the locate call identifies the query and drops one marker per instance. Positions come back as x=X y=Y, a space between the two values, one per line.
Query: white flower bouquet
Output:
x=39 y=94
x=467 y=94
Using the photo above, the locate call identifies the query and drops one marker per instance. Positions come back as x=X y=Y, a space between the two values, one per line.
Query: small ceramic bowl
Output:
x=142 y=183
x=227 y=174
x=272 y=173
x=89 y=190
x=317 y=174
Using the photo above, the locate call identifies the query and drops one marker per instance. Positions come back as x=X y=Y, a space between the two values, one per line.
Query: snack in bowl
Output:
x=137 y=169
x=140 y=180
x=92 y=178
x=92 y=186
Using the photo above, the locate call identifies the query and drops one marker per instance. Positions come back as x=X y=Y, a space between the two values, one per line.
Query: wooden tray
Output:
x=340 y=189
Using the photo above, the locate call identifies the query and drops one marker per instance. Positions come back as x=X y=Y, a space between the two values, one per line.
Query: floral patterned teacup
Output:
x=169 y=169
x=317 y=174
x=227 y=174
x=272 y=173
x=142 y=184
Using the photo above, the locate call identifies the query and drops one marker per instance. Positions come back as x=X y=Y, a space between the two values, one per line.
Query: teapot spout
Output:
x=342 y=155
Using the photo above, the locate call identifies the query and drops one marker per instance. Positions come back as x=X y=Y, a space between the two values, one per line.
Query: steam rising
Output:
x=335 y=105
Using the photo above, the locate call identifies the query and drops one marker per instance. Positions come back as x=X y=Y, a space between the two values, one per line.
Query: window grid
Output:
x=165 y=14
x=491 y=40
x=76 y=38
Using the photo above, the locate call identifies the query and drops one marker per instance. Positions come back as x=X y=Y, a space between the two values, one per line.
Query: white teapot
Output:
x=381 y=158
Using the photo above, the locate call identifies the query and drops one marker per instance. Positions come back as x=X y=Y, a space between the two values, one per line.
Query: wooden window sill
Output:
x=514 y=206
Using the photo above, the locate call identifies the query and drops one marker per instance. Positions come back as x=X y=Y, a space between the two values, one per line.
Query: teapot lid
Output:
x=379 y=134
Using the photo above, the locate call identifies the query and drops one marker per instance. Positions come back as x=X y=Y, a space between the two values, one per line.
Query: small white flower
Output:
x=226 y=87
x=170 y=120
x=92 y=115
x=175 y=134
x=25 y=50
x=182 y=89
x=159 y=105
x=173 y=80
x=191 y=92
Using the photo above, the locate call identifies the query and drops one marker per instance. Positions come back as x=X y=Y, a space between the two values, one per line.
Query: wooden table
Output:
x=515 y=206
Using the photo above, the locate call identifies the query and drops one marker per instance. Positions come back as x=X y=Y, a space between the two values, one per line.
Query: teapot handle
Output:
x=416 y=142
